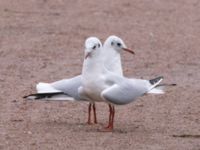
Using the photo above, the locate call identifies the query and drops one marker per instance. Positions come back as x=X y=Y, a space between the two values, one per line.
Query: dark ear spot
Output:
x=94 y=47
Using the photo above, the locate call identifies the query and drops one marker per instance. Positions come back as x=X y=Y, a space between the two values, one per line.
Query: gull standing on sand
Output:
x=67 y=89
x=102 y=85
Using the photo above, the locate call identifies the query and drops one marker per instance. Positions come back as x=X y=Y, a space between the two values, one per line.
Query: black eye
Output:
x=99 y=45
x=94 y=47
x=112 y=43
x=119 y=44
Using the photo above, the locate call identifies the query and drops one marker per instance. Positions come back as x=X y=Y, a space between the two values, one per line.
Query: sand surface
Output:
x=43 y=41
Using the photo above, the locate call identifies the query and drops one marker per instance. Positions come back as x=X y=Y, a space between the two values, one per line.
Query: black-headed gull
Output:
x=102 y=85
x=67 y=89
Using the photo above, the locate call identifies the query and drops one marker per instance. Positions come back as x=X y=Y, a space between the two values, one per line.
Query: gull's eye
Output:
x=119 y=44
x=99 y=45
x=112 y=43
x=94 y=47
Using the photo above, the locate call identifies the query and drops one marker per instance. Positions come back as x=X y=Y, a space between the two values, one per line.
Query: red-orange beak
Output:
x=87 y=55
x=129 y=50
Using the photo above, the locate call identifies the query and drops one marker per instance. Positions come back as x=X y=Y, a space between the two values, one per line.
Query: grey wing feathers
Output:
x=69 y=86
x=125 y=92
x=66 y=89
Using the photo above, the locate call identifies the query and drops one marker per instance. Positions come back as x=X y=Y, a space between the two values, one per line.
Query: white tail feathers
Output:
x=46 y=88
x=157 y=90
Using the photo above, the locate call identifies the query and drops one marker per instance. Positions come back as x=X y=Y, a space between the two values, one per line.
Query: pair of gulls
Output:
x=101 y=80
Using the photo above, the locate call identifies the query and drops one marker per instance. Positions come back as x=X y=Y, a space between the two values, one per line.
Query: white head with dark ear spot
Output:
x=92 y=45
x=116 y=43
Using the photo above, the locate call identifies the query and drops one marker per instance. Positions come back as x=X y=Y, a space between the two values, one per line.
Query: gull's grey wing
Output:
x=126 y=91
x=69 y=86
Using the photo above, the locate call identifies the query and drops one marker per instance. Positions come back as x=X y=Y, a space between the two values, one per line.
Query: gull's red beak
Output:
x=128 y=50
x=87 y=55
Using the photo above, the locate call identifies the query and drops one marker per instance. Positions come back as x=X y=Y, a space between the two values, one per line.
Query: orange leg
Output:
x=109 y=128
x=90 y=108
x=113 y=115
x=89 y=114
x=110 y=115
x=94 y=111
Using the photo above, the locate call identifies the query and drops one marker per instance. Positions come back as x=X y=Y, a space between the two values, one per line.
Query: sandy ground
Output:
x=43 y=41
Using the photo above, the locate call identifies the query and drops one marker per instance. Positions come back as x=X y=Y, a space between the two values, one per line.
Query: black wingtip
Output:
x=164 y=84
x=155 y=80
x=28 y=96
x=43 y=95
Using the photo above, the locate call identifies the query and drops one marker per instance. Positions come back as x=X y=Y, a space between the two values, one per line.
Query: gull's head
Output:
x=92 y=44
x=117 y=44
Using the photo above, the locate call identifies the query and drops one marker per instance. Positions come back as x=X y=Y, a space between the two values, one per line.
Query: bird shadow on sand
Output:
x=92 y=128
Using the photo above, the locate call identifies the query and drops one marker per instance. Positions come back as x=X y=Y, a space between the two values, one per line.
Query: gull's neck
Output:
x=93 y=65
x=112 y=61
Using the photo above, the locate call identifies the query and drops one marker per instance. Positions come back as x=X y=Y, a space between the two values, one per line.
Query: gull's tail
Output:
x=46 y=88
x=156 y=87
x=46 y=91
